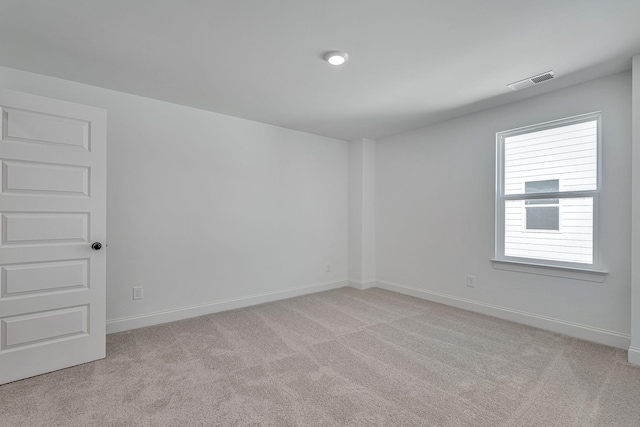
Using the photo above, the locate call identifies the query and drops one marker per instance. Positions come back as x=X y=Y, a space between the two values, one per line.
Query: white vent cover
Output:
x=532 y=81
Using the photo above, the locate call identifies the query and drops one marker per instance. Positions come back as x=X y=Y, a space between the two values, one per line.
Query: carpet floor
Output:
x=338 y=358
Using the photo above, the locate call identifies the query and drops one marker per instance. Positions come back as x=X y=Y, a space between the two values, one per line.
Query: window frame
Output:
x=501 y=198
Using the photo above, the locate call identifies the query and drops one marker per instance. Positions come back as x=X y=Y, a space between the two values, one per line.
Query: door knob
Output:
x=96 y=246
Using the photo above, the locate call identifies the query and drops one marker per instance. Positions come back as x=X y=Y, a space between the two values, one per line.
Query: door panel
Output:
x=30 y=228
x=52 y=207
x=38 y=328
x=21 y=279
x=46 y=127
x=43 y=178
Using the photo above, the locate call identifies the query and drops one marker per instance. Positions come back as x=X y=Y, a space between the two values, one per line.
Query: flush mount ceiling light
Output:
x=336 y=57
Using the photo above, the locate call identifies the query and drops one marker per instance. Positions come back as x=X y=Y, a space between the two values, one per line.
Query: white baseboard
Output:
x=361 y=285
x=576 y=330
x=150 y=319
x=634 y=356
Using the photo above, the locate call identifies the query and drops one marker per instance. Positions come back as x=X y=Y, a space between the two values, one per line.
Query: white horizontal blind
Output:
x=566 y=153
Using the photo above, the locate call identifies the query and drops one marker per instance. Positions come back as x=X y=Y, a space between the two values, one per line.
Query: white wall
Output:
x=634 y=350
x=435 y=216
x=207 y=211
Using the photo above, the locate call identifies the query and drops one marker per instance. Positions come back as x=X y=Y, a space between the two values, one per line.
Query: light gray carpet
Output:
x=337 y=358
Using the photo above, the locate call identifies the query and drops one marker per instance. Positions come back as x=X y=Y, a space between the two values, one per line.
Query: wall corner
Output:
x=362 y=211
x=634 y=350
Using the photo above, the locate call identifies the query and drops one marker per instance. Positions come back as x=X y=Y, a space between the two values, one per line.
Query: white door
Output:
x=52 y=209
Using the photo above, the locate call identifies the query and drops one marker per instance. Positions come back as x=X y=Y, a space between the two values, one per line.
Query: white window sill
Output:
x=575 y=273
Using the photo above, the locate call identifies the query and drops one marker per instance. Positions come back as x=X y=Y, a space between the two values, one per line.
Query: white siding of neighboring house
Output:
x=568 y=154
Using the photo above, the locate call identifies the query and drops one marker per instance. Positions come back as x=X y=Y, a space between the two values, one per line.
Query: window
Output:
x=542 y=214
x=548 y=183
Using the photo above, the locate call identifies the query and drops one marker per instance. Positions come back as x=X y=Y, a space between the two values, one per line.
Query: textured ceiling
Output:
x=412 y=63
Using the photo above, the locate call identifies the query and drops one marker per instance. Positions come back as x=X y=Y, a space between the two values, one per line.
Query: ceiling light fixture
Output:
x=336 y=57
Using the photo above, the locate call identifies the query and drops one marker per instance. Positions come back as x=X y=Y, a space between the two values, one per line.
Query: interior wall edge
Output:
x=634 y=356
x=157 y=318
x=361 y=285
x=575 y=330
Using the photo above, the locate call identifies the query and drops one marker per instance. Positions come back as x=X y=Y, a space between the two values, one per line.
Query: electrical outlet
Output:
x=471 y=281
x=328 y=266
x=137 y=292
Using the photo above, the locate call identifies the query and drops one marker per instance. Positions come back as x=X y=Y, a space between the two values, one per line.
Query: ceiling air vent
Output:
x=532 y=81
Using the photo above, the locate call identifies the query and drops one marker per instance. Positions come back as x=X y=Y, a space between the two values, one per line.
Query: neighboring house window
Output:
x=548 y=183
x=542 y=214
